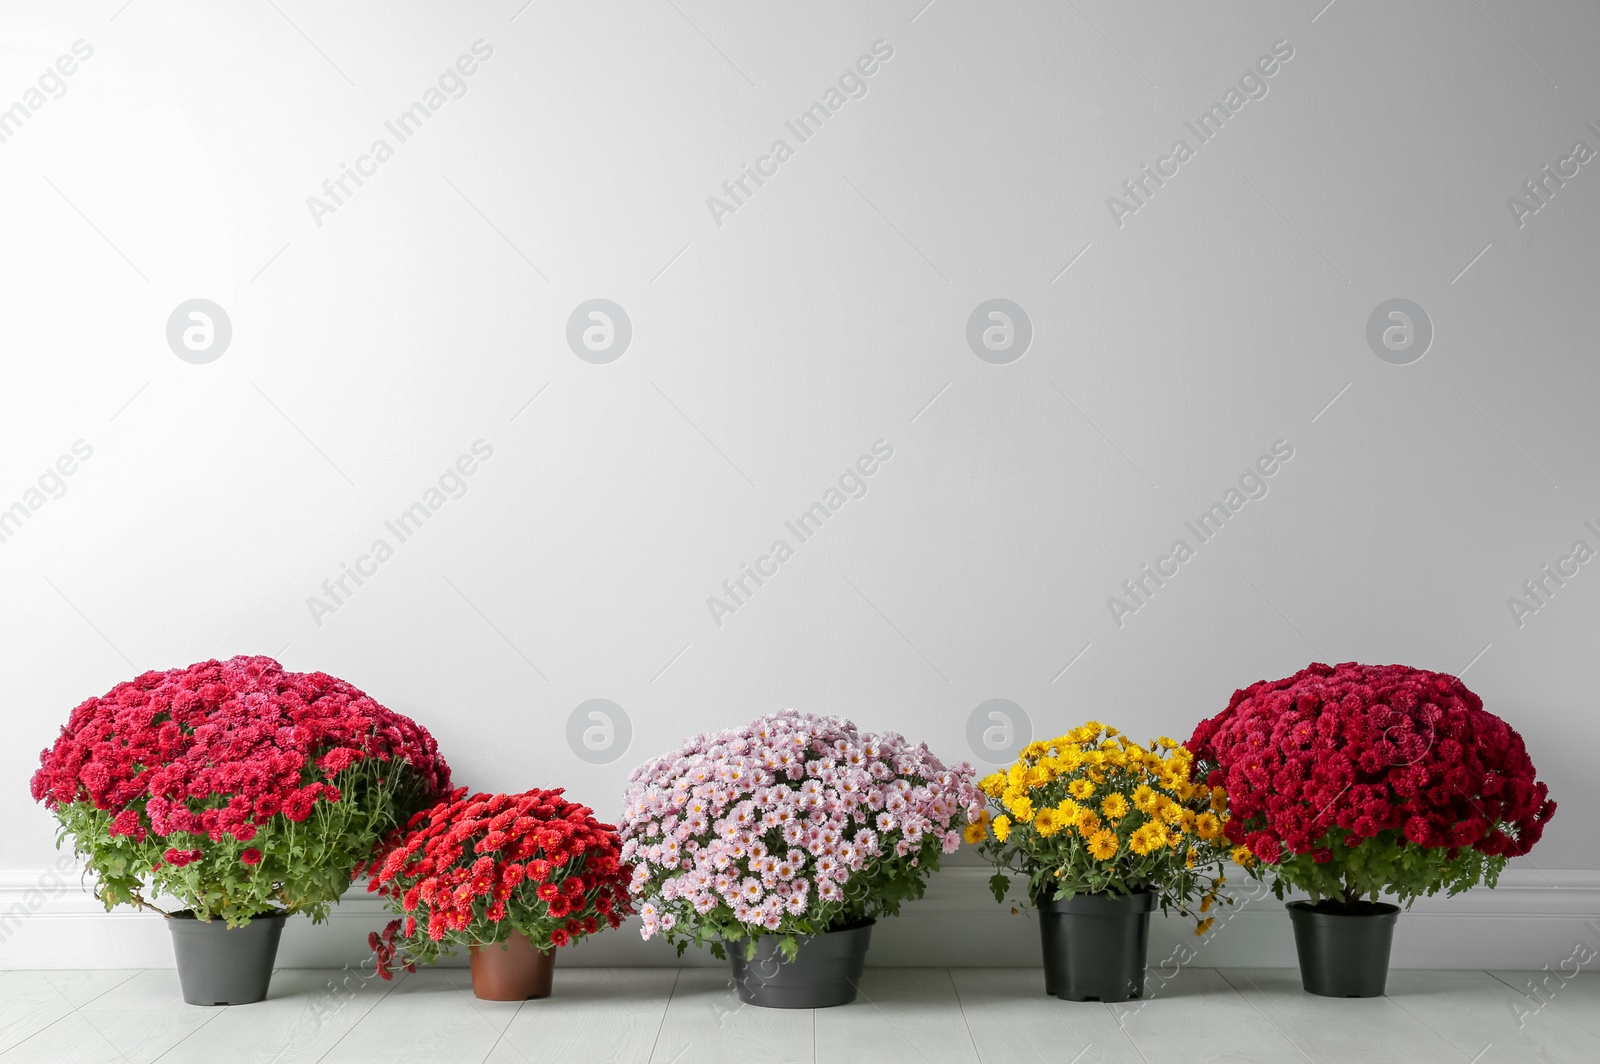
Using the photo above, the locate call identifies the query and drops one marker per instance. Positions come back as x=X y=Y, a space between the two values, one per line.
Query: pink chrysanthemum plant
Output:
x=794 y=825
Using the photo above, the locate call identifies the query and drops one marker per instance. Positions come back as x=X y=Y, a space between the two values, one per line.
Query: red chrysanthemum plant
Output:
x=472 y=871
x=1353 y=781
x=234 y=787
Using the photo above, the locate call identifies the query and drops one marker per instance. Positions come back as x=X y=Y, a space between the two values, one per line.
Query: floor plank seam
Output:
x=1134 y=1045
x=673 y=989
x=390 y=987
x=136 y=973
x=1437 y=1033
x=7 y=1050
x=1270 y=1022
x=501 y=1037
x=961 y=1007
x=1497 y=979
x=174 y=1047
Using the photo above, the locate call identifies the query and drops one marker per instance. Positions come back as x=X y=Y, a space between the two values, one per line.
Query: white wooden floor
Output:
x=690 y=1016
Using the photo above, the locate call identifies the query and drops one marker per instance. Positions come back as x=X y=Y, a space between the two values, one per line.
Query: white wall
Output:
x=770 y=350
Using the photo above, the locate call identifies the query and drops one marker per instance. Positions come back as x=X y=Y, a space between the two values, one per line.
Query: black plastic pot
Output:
x=824 y=973
x=217 y=966
x=1095 y=945
x=1344 y=952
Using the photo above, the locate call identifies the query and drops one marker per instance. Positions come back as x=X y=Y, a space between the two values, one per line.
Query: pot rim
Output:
x=189 y=916
x=803 y=939
x=1138 y=900
x=505 y=943
x=1110 y=893
x=1306 y=908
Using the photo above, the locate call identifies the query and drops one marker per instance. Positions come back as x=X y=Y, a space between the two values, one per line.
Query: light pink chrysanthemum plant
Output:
x=794 y=825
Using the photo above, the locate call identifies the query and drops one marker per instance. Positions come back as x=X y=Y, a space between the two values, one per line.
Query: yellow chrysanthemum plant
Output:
x=1092 y=812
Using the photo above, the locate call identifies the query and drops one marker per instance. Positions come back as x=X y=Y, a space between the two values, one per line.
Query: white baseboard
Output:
x=48 y=920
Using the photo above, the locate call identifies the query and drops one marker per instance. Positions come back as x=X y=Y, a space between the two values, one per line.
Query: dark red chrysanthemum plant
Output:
x=235 y=787
x=472 y=870
x=1350 y=781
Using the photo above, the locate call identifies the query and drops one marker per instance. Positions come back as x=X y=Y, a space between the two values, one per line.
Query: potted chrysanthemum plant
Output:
x=510 y=876
x=244 y=792
x=1356 y=782
x=1101 y=831
x=785 y=840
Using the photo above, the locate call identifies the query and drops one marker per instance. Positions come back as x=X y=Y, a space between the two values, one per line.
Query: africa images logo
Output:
x=852 y=484
x=451 y=484
x=1537 y=192
x=851 y=85
x=450 y=85
x=1253 y=85
x=51 y=85
x=1551 y=578
x=1252 y=486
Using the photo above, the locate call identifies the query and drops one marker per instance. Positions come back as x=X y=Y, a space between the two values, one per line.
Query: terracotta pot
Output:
x=511 y=970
